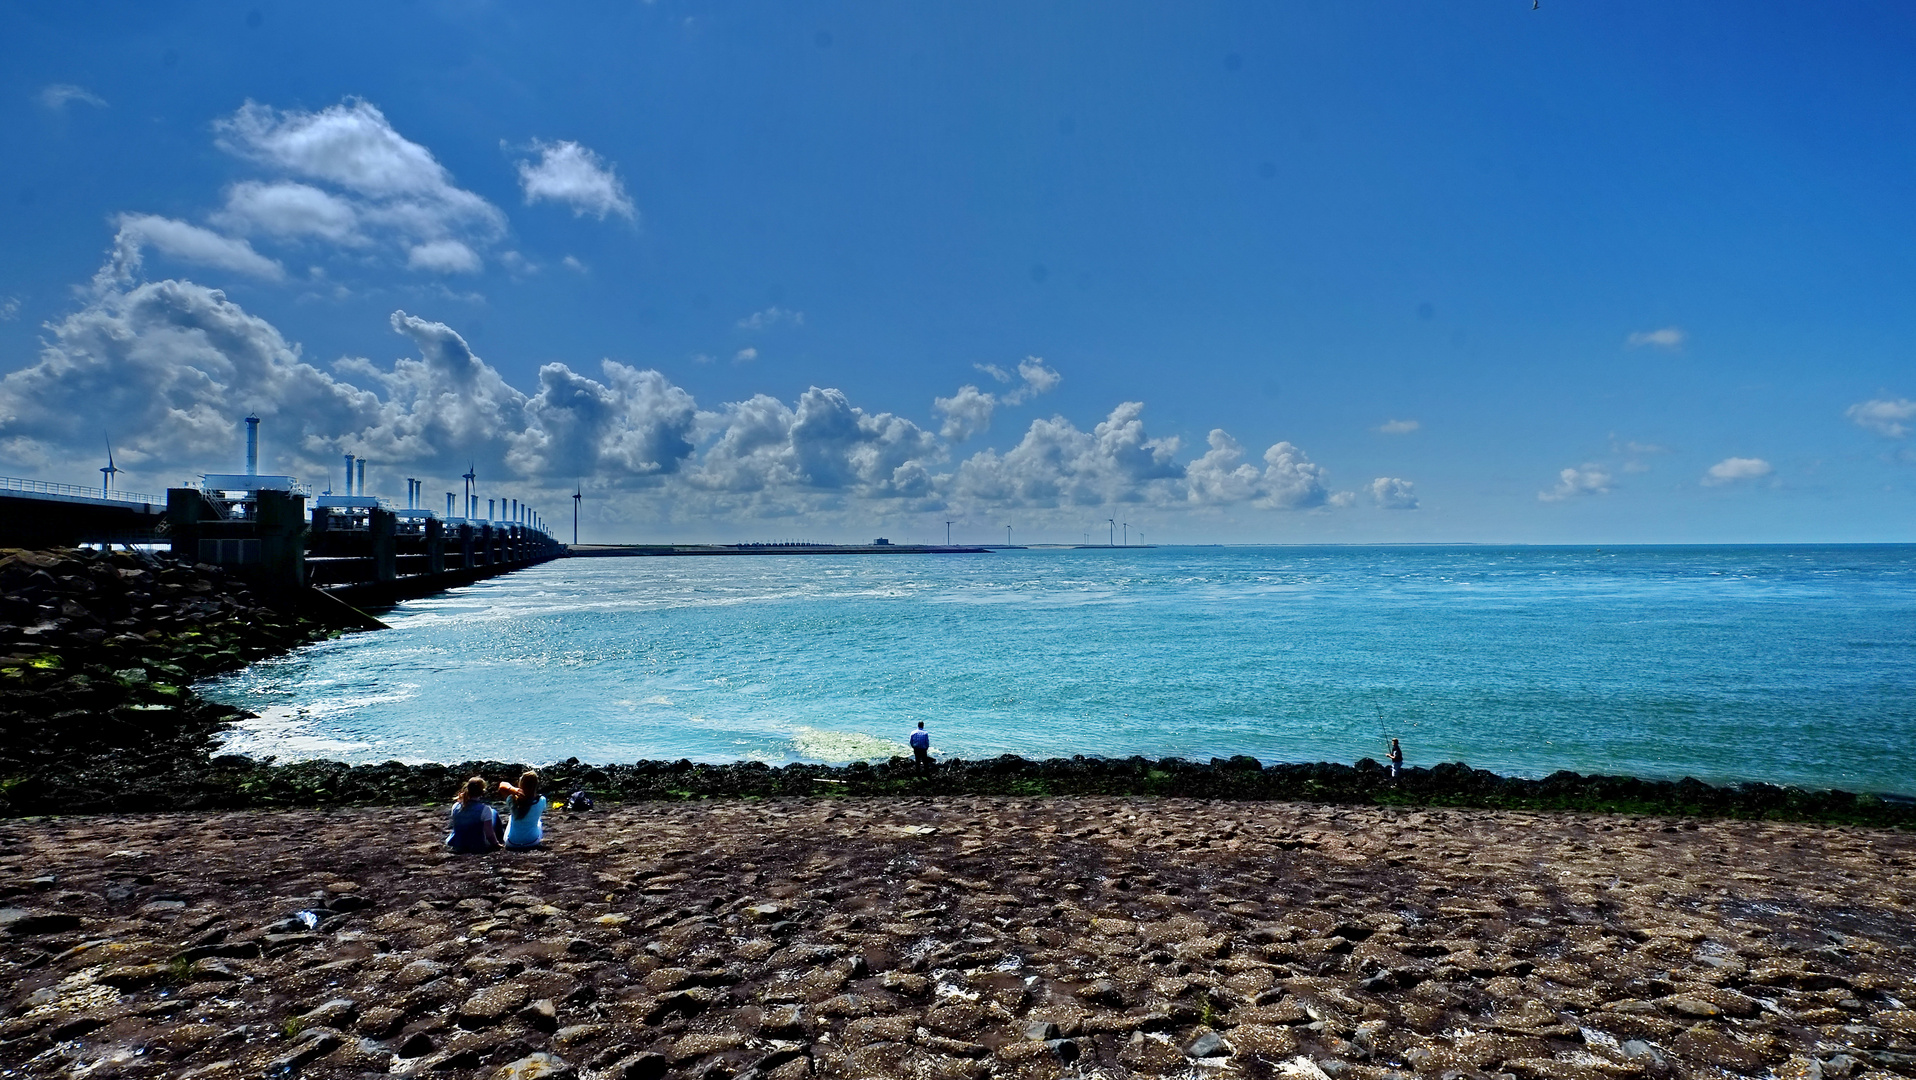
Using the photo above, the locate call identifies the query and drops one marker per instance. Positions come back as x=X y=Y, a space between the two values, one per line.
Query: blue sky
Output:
x=1265 y=272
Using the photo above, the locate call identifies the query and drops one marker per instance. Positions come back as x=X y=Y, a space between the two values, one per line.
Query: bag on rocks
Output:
x=578 y=800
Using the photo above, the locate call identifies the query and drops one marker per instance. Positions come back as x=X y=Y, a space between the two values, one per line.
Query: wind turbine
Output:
x=1112 y=540
x=469 y=476
x=577 y=494
x=947 y=534
x=108 y=471
x=1127 y=534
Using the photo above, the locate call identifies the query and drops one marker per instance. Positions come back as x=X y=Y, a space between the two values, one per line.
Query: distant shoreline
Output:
x=602 y=551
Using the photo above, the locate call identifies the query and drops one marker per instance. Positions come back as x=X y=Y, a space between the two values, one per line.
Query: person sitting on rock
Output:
x=523 y=830
x=475 y=825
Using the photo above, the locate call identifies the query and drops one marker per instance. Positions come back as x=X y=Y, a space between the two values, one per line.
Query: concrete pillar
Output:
x=385 y=567
x=184 y=507
x=435 y=546
x=281 y=524
x=465 y=545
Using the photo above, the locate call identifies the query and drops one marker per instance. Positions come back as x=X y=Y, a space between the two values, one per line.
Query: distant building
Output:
x=881 y=542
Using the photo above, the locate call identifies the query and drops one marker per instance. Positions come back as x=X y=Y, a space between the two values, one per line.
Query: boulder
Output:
x=540 y=1066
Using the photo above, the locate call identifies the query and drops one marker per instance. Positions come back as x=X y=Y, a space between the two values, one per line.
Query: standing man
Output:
x=921 y=748
x=1396 y=760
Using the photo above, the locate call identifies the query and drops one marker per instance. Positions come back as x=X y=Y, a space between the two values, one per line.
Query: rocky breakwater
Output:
x=97 y=654
x=960 y=937
x=232 y=781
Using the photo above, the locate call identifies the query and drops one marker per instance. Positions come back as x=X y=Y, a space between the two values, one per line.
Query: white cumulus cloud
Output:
x=1669 y=337
x=185 y=242
x=966 y=412
x=969 y=410
x=1057 y=465
x=1883 y=416
x=289 y=210
x=1291 y=482
x=167 y=368
x=444 y=257
x=1038 y=379
x=385 y=185
x=350 y=144
x=825 y=444
x=569 y=173
x=1589 y=480
x=1222 y=475
x=1732 y=469
x=1398 y=427
x=1391 y=493
x=635 y=423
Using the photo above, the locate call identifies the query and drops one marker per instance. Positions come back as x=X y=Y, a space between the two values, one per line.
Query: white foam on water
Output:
x=824 y=744
x=289 y=733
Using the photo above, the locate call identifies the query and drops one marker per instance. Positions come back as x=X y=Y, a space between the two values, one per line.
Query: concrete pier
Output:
x=39 y=514
x=267 y=544
x=371 y=556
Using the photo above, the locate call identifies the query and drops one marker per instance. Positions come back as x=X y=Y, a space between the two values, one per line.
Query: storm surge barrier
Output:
x=359 y=550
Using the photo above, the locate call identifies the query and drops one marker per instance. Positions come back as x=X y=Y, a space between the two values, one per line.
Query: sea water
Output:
x=1785 y=664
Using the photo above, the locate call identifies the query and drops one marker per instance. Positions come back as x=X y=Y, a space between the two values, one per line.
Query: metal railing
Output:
x=304 y=491
x=74 y=491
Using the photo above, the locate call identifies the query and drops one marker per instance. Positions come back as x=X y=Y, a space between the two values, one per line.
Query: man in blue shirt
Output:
x=921 y=748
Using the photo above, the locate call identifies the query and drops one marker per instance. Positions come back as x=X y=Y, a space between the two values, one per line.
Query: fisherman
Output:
x=921 y=749
x=1396 y=760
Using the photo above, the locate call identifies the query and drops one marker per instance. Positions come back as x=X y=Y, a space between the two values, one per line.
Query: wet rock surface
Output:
x=958 y=937
x=98 y=653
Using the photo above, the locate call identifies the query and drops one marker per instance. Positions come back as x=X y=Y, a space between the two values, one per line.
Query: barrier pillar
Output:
x=280 y=521
x=184 y=507
x=435 y=546
x=385 y=565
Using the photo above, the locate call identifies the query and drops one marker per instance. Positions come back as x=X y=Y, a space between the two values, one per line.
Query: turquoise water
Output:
x=1786 y=664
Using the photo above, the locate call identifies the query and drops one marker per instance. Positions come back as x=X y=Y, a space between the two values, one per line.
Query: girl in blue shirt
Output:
x=475 y=826
x=523 y=830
